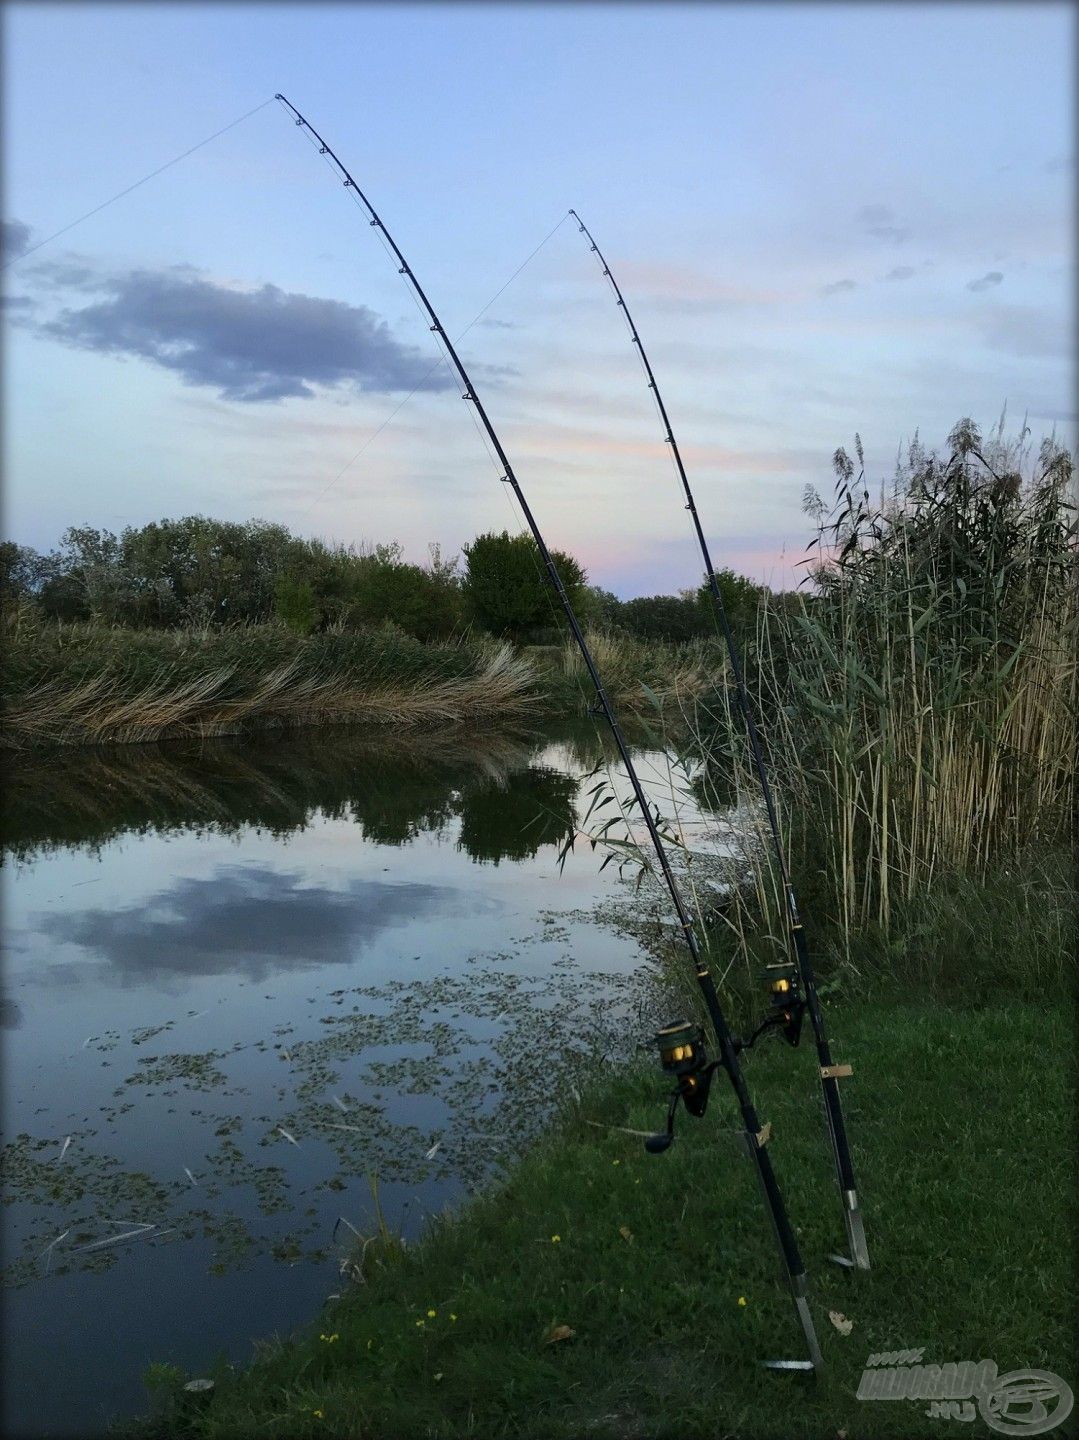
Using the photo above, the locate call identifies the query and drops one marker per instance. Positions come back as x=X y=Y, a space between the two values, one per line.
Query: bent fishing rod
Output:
x=792 y=983
x=687 y=1060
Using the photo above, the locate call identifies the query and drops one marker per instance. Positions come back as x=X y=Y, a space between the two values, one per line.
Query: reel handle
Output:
x=656 y=1144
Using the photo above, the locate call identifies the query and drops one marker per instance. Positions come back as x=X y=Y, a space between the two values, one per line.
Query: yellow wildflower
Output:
x=431 y=1314
x=741 y=1299
x=556 y=1239
x=452 y=1315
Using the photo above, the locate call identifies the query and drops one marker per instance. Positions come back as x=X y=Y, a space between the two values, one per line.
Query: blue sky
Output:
x=824 y=218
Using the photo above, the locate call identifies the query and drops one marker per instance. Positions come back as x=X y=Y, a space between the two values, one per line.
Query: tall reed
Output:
x=919 y=707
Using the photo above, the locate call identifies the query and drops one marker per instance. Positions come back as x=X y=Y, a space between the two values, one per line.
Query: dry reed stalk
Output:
x=98 y=711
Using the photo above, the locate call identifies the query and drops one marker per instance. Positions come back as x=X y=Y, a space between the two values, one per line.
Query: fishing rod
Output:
x=694 y=1082
x=792 y=982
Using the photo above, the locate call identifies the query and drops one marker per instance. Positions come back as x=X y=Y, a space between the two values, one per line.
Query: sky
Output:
x=825 y=219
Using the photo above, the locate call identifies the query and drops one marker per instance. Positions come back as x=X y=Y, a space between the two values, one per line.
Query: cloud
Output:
x=986 y=282
x=14 y=239
x=684 y=290
x=248 y=345
x=901 y=272
x=70 y=274
x=493 y=324
x=879 y=221
x=838 y=286
x=560 y=443
x=1031 y=331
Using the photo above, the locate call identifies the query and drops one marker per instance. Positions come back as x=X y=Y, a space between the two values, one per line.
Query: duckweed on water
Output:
x=195 y=1072
x=485 y=1052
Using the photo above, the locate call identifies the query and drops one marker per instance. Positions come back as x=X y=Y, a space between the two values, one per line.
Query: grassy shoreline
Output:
x=88 y=684
x=952 y=1112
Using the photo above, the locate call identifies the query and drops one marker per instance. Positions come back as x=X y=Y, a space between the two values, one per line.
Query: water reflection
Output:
x=395 y=787
x=511 y=819
x=243 y=920
x=284 y=965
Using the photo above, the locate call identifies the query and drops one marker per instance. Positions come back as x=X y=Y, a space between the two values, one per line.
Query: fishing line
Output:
x=517 y=518
x=650 y=383
x=443 y=358
x=120 y=194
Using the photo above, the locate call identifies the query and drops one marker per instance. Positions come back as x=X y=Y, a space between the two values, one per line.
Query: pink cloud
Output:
x=681 y=282
x=566 y=443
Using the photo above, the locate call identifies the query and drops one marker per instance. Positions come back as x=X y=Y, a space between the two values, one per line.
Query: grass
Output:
x=637 y=673
x=94 y=684
x=89 y=684
x=1010 y=933
x=919 y=709
x=960 y=1119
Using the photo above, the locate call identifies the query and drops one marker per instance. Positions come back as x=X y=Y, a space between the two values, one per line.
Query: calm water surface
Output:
x=243 y=979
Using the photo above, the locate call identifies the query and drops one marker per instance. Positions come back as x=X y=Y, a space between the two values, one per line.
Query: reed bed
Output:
x=919 y=709
x=95 y=686
x=638 y=673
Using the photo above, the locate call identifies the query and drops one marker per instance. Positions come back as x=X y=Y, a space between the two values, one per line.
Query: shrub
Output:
x=506 y=587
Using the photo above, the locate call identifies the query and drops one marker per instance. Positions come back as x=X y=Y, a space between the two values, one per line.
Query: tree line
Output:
x=198 y=572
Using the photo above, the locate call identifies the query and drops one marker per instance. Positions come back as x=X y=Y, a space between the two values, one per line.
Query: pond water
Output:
x=242 y=982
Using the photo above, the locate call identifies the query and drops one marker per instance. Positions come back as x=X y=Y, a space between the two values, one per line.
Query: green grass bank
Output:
x=664 y=1270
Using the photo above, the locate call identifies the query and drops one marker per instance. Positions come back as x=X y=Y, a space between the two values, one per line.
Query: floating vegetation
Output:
x=486 y=1049
x=194 y=1072
x=147 y=1032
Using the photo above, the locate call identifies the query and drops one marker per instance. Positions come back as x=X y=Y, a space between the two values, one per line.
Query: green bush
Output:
x=425 y=603
x=295 y=604
x=506 y=586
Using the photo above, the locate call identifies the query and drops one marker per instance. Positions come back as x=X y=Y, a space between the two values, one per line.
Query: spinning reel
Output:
x=787 y=1008
x=683 y=1056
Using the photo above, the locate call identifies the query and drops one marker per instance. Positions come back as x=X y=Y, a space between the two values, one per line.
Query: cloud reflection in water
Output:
x=250 y=920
